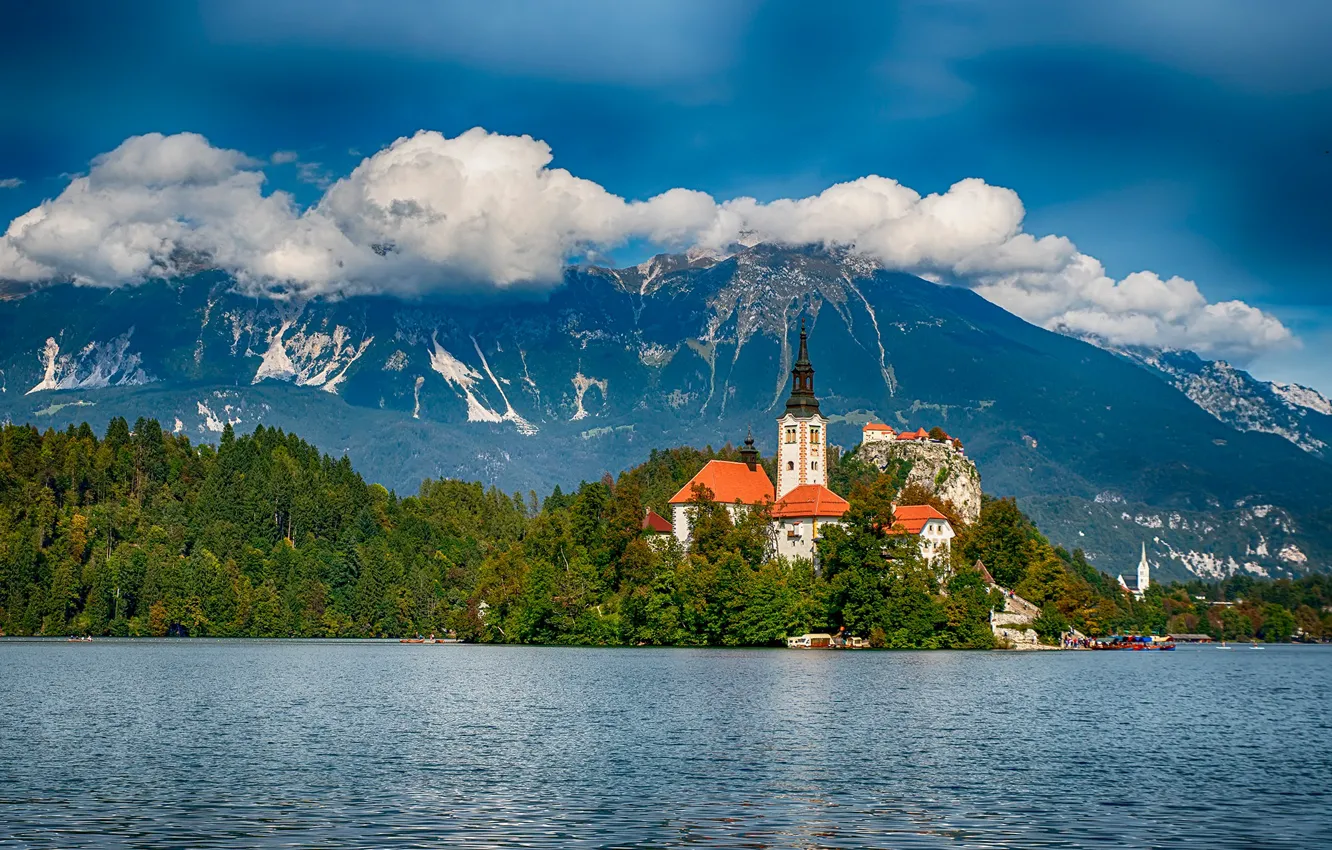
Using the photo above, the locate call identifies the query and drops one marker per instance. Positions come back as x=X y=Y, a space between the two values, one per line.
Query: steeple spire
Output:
x=802 y=401
x=749 y=454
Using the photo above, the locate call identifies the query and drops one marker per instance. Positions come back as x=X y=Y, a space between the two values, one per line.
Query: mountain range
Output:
x=1217 y=472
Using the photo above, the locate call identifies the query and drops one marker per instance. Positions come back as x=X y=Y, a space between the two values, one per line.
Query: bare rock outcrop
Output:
x=936 y=465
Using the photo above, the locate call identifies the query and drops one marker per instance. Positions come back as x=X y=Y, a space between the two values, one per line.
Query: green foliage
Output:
x=1004 y=539
x=141 y=533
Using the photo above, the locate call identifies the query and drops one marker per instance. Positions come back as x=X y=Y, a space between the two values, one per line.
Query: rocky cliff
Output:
x=945 y=470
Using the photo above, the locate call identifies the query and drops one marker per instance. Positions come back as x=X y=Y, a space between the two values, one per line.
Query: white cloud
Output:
x=283 y=157
x=432 y=212
x=314 y=174
x=10 y=183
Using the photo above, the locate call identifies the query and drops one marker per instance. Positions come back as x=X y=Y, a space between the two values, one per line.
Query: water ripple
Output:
x=367 y=744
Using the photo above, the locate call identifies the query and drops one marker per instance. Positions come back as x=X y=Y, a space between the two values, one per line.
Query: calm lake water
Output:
x=341 y=744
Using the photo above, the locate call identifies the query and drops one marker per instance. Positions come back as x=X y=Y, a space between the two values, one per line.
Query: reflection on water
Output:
x=200 y=743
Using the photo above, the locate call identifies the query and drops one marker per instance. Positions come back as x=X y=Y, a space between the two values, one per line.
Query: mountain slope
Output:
x=1295 y=413
x=529 y=393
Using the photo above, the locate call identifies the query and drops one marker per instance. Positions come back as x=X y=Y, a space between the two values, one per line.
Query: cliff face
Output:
x=952 y=476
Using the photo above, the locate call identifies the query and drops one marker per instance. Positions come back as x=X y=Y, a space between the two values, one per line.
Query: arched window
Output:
x=790 y=465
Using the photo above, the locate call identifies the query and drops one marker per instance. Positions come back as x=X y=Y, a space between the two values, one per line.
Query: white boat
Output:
x=810 y=641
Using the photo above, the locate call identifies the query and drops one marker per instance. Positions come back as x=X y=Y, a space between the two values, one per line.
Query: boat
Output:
x=452 y=638
x=1135 y=643
x=827 y=641
x=810 y=641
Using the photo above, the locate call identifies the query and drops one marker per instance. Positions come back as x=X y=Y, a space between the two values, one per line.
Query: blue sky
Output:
x=1188 y=138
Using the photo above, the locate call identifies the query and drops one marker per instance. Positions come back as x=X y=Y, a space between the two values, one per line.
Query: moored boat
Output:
x=1134 y=643
x=452 y=638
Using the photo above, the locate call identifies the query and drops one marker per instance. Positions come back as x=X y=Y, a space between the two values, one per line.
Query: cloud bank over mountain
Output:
x=430 y=213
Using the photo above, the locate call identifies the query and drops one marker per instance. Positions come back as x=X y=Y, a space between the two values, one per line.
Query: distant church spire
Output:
x=1144 y=571
x=802 y=402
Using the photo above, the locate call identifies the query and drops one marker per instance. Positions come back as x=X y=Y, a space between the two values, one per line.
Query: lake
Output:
x=372 y=744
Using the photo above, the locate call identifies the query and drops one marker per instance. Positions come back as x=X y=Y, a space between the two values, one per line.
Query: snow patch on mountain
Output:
x=461 y=377
x=581 y=385
x=212 y=421
x=1207 y=565
x=464 y=379
x=1303 y=397
x=276 y=363
x=96 y=365
x=310 y=358
x=1292 y=554
x=657 y=356
x=510 y=415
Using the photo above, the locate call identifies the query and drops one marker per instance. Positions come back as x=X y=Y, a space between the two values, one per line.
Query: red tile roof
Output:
x=985 y=574
x=914 y=435
x=657 y=523
x=875 y=426
x=729 y=480
x=811 y=500
x=912 y=518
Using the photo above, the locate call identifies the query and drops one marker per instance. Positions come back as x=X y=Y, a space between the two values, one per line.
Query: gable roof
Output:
x=811 y=500
x=875 y=426
x=729 y=480
x=913 y=518
x=657 y=524
x=920 y=434
x=985 y=573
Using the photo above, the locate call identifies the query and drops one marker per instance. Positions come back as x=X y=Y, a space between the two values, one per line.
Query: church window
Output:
x=813 y=433
x=790 y=433
x=813 y=464
x=790 y=464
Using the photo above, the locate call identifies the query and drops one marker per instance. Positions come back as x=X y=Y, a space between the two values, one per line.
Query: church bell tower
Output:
x=802 y=432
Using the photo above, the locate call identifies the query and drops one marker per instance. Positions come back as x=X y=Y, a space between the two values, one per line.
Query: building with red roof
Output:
x=736 y=484
x=730 y=481
x=926 y=522
x=920 y=434
x=655 y=523
x=874 y=432
x=799 y=515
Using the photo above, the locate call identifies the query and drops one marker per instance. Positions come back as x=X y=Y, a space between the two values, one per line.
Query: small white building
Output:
x=657 y=530
x=929 y=525
x=874 y=432
x=799 y=517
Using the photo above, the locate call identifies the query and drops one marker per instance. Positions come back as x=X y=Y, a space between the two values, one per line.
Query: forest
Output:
x=142 y=533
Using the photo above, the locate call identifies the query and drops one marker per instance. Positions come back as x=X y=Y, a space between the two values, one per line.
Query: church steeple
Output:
x=802 y=402
x=749 y=454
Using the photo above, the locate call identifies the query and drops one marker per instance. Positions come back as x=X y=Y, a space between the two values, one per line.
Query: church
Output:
x=801 y=502
x=1137 y=585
